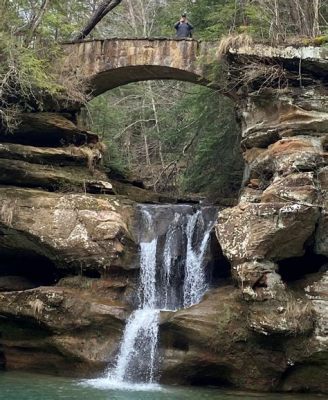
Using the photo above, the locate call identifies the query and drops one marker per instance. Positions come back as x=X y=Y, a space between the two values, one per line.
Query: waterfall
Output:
x=195 y=284
x=136 y=359
x=173 y=243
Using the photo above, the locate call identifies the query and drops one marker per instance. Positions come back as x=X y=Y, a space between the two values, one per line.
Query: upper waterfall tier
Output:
x=178 y=237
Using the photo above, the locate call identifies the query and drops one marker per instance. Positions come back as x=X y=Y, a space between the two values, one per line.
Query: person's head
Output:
x=184 y=17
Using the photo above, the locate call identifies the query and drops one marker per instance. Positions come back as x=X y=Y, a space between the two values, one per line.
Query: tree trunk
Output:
x=103 y=9
x=316 y=24
x=35 y=22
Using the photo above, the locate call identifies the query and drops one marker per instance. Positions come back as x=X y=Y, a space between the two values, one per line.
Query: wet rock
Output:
x=68 y=330
x=135 y=193
x=62 y=309
x=227 y=341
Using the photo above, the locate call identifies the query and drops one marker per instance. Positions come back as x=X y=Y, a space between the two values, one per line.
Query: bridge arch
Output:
x=115 y=62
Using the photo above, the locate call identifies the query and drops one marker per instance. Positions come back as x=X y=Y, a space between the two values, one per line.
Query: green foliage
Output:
x=214 y=164
x=196 y=130
x=106 y=121
x=29 y=77
x=147 y=126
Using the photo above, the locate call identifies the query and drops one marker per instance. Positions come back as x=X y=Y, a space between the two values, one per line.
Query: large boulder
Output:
x=225 y=340
x=297 y=188
x=286 y=156
x=271 y=231
x=62 y=329
x=75 y=231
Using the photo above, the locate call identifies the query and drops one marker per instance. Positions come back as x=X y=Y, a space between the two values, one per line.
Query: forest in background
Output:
x=174 y=136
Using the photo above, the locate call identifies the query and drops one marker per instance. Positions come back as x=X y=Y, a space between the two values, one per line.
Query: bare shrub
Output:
x=233 y=41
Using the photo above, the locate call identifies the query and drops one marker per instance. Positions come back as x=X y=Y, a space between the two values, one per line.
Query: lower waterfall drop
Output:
x=172 y=276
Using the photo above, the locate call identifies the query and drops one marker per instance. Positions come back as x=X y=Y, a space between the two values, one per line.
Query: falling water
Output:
x=169 y=296
x=172 y=276
x=195 y=284
x=136 y=359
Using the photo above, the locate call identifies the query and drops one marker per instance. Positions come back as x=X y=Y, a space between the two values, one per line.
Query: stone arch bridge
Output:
x=114 y=62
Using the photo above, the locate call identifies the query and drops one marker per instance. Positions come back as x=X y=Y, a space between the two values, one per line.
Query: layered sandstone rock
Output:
x=48 y=130
x=224 y=340
x=282 y=206
x=282 y=213
x=60 y=330
x=49 y=151
x=75 y=231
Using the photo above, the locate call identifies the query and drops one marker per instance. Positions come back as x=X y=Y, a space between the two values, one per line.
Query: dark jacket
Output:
x=183 y=29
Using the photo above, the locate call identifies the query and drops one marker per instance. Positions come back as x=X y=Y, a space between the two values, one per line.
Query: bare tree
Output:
x=103 y=9
x=291 y=17
x=32 y=20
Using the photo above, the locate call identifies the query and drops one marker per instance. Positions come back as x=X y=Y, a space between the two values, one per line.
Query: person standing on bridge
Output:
x=183 y=27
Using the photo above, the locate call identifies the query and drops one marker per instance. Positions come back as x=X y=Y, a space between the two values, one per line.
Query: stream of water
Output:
x=23 y=386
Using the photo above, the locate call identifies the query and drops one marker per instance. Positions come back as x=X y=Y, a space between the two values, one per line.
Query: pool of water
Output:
x=21 y=386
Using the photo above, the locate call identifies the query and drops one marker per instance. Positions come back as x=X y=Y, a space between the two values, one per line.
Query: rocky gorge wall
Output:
x=276 y=237
x=62 y=228
x=69 y=257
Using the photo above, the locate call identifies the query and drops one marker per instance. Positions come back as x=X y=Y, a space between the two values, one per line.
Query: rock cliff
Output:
x=67 y=254
x=276 y=234
x=69 y=258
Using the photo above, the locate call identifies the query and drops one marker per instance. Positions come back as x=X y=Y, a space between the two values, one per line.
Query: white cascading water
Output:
x=171 y=277
x=170 y=242
x=195 y=284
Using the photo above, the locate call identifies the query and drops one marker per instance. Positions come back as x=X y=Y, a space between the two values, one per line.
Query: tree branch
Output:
x=36 y=21
x=103 y=9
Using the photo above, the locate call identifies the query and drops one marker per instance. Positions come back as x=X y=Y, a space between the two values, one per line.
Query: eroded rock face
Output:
x=49 y=151
x=275 y=114
x=282 y=213
x=74 y=331
x=264 y=335
x=227 y=341
x=271 y=231
x=283 y=204
x=76 y=231
x=311 y=373
x=48 y=130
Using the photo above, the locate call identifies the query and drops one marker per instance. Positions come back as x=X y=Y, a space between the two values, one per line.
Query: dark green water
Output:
x=18 y=386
